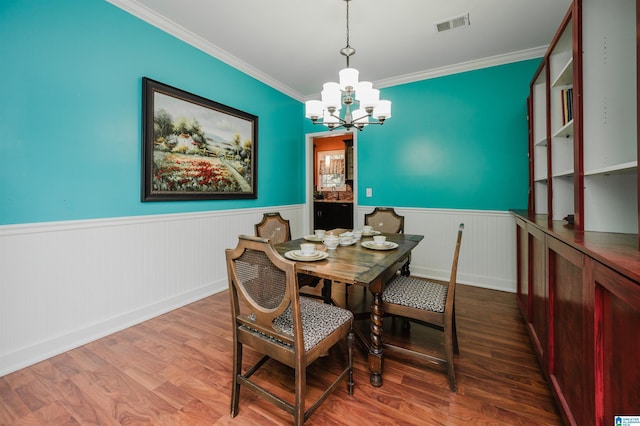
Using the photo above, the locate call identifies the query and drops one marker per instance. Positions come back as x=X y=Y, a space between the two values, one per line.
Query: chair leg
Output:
x=456 y=349
x=301 y=386
x=350 y=355
x=235 y=387
x=448 y=351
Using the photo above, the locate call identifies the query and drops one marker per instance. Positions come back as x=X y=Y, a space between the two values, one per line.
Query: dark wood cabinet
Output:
x=538 y=293
x=523 y=268
x=570 y=373
x=331 y=215
x=580 y=295
x=616 y=338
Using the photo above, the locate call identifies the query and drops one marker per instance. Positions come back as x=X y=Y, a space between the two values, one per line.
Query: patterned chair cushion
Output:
x=415 y=293
x=318 y=321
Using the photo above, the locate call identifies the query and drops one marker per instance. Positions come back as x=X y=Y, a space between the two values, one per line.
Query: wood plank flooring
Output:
x=176 y=370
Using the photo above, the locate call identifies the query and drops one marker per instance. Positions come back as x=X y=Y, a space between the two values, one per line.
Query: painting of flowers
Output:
x=195 y=148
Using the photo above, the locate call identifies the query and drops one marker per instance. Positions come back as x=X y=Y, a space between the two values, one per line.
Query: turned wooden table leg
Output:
x=375 y=348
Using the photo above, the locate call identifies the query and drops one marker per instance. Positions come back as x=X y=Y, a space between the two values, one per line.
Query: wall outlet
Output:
x=369 y=192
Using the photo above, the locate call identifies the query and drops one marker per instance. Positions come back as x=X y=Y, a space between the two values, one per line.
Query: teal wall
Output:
x=456 y=142
x=70 y=123
x=70 y=113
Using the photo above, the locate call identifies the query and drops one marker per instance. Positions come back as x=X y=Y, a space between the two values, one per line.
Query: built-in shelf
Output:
x=626 y=168
x=565 y=131
x=563 y=173
x=565 y=78
x=541 y=142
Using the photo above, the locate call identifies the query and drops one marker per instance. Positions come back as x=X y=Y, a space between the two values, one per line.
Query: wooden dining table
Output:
x=358 y=265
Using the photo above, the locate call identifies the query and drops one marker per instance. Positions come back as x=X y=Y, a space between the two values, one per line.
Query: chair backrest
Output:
x=385 y=219
x=454 y=271
x=274 y=227
x=262 y=285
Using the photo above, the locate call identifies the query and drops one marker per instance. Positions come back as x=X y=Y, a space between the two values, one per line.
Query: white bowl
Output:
x=331 y=242
x=307 y=248
x=379 y=239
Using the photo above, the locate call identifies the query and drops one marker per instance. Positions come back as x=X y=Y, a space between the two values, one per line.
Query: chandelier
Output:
x=348 y=92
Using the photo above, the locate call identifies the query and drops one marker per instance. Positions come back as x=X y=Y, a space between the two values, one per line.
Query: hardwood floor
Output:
x=176 y=369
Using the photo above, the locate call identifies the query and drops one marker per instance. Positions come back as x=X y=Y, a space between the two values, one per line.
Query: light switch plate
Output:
x=369 y=192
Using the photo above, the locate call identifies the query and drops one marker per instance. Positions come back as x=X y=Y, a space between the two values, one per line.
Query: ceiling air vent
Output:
x=451 y=23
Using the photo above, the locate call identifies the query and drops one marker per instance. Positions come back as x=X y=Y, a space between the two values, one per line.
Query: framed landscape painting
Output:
x=195 y=148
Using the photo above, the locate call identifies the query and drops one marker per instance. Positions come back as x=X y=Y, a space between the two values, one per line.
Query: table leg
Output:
x=375 y=348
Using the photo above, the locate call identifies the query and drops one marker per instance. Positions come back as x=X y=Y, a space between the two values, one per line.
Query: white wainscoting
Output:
x=488 y=251
x=63 y=284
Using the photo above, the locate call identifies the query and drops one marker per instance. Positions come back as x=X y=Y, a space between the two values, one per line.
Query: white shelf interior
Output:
x=611 y=203
x=562 y=197
x=565 y=76
x=560 y=59
x=540 y=162
x=540 y=109
x=541 y=190
x=609 y=79
x=562 y=156
x=610 y=117
x=540 y=173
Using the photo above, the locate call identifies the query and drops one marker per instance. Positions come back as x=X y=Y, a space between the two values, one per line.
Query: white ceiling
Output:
x=293 y=45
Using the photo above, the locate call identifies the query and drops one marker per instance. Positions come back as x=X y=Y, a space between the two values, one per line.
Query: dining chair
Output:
x=270 y=317
x=385 y=219
x=428 y=302
x=274 y=227
x=277 y=229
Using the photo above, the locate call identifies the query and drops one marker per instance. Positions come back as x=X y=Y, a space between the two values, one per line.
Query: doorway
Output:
x=313 y=139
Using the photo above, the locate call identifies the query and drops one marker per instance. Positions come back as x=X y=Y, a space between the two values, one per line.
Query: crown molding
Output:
x=491 y=61
x=142 y=12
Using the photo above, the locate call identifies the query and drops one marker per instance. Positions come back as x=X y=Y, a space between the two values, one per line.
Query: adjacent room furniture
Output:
x=271 y=318
x=331 y=214
x=431 y=303
x=356 y=264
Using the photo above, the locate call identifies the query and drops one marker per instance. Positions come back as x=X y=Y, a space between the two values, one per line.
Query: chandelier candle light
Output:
x=348 y=91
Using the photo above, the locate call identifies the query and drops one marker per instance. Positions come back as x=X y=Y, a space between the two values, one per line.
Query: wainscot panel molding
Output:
x=63 y=284
x=487 y=256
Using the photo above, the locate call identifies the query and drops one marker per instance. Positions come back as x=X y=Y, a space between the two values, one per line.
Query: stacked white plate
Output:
x=387 y=245
x=298 y=255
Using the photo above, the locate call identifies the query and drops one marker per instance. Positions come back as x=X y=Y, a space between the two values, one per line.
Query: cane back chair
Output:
x=270 y=317
x=274 y=227
x=385 y=219
x=277 y=229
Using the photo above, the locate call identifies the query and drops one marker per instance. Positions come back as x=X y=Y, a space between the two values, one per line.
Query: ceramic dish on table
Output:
x=370 y=233
x=387 y=245
x=347 y=242
x=297 y=255
x=312 y=237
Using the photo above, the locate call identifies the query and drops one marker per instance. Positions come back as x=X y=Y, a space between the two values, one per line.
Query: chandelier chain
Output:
x=347 y=1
